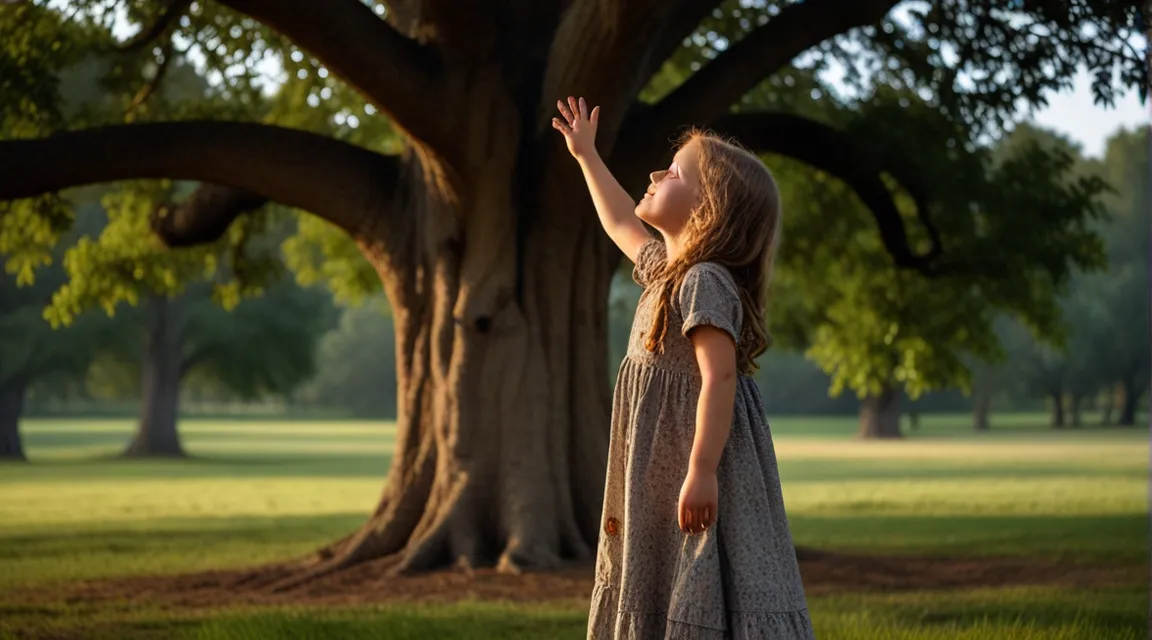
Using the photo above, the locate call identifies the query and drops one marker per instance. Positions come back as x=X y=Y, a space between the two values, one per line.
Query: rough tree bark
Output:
x=880 y=415
x=11 y=407
x=161 y=370
x=482 y=233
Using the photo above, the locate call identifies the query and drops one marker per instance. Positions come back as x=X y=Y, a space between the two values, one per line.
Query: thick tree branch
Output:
x=340 y=182
x=204 y=216
x=584 y=55
x=398 y=75
x=833 y=152
x=464 y=28
x=684 y=17
x=172 y=10
x=711 y=91
x=591 y=40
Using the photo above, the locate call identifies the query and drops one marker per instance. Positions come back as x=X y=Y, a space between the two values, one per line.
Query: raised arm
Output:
x=613 y=204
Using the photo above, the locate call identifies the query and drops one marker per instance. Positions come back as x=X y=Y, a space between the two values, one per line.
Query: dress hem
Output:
x=607 y=622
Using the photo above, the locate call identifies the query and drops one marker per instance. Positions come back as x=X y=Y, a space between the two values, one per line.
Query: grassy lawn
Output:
x=258 y=491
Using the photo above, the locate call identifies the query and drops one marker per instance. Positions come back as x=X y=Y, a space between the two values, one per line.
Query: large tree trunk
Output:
x=1130 y=401
x=981 y=408
x=161 y=370
x=1057 y=399
x=502 y=403
x=11 y=407
x=880 y=415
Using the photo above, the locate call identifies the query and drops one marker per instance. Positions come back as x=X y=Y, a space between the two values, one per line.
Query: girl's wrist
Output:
x=588 y=157
x=701 y=465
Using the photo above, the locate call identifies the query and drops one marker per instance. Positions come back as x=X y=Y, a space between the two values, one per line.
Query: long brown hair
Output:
x=736 y=223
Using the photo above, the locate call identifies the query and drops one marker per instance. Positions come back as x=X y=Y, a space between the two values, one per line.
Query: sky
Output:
x=1073 y=114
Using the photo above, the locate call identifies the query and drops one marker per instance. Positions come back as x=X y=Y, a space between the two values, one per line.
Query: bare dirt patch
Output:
x=824 y=574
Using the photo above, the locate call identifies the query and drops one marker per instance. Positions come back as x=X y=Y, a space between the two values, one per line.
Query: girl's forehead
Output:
x=686 y=152
x=686 y=156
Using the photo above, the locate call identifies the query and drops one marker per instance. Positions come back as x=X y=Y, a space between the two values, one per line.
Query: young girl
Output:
x=695 y=542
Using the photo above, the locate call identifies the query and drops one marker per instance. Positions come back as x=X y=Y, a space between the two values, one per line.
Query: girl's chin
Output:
x=646 y=216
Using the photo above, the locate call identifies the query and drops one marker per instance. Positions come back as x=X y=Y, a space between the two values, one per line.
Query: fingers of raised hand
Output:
x=566 y=112
x=560 y=126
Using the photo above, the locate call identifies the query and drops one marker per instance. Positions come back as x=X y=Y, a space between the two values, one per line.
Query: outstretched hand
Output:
x=578 y=126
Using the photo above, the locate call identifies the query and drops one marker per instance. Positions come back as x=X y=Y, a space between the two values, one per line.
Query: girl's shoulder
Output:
x=712 y=277
x=709 y=295
x=650 y=261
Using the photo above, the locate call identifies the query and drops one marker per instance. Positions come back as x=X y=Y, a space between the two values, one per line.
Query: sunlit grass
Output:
x=1003 y=614
x=255 y=492
x=972 y=493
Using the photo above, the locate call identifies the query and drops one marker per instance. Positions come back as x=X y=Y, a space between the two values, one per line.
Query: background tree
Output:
x=1122 y=345
x=253 y=342
x=356 y=364
x=31 y=351
x=1105 y=345
x=494 y=266
x=265 y=347
x=1004 y=378
x=886 y=333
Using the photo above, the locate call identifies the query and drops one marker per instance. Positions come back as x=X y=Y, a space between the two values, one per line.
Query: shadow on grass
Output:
x=450 y=622
x=461 y=621
x=173 y=533
x=808 y=470
x=109 y=466
x=1104 y=613
x=1029 y=613
x=1004 y=614
x=1116 y=538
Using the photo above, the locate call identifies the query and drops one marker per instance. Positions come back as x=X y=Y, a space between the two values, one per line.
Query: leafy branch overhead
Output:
x=979 y=61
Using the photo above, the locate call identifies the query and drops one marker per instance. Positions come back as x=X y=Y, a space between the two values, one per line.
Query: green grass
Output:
x=1003 y=614
x=259 y=491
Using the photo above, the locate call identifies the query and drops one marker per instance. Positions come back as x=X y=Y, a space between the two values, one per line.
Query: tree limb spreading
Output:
x=398 y=75
x=340 y=182
x=833 y=152
x=683 y=19
x=204 y=216
x=460 y=28
x=591 y=39
x=712 y=90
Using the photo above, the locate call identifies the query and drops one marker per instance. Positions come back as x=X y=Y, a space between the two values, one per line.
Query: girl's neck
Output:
x=673 y=245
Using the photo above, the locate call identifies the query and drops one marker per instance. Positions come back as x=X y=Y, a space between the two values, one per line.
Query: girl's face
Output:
x=673 y=192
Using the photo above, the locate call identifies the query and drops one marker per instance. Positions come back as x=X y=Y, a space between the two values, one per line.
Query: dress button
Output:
x=611 y=526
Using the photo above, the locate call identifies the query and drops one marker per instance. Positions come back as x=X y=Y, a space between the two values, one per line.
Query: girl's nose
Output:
x=657 y=176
